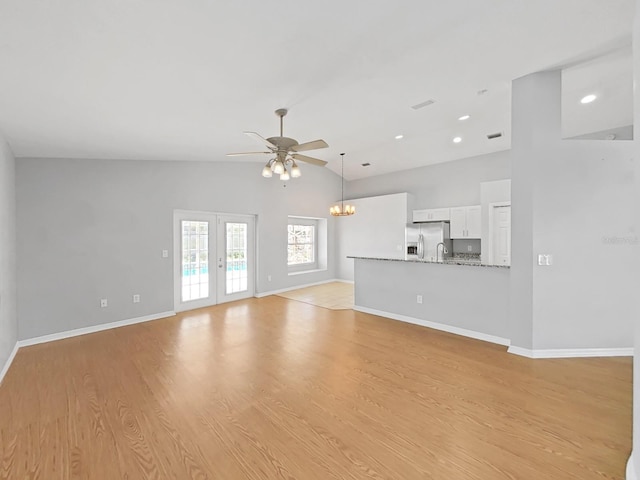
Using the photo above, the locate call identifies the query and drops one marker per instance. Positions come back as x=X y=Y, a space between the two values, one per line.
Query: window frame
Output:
x=304 y=221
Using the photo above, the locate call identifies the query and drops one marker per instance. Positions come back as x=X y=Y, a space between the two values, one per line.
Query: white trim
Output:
x=571 y=352
x=296 y=287
x=96 y=328
x=523 y=352
x=9 y=361
x=436 y=326
x=631 y=469
x=302 y=272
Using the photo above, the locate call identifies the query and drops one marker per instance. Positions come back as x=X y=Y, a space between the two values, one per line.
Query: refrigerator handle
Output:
x=421 y=247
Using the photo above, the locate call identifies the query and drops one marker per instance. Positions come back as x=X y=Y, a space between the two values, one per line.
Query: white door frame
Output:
x=220 y=259
x=492 y=209
x=212 y=217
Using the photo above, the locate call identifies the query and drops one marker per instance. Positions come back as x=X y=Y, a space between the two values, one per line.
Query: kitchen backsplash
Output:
x=467 y=257
x=462 y=246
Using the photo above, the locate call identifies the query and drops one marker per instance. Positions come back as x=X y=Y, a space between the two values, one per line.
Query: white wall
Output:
x=8 y=318
x=95 y=229
x=573 y=199
x=376 y=230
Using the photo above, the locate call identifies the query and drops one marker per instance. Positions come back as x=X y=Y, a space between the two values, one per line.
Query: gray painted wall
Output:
x=473 y=298
x=8 y=317
x=95 y=229
x=573 y=199
x=446 y=184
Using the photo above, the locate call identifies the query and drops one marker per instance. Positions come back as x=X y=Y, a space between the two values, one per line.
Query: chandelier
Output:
x=342 y=210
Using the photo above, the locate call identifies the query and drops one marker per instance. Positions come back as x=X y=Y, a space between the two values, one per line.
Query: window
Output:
x=306 y=245
x=302 y=244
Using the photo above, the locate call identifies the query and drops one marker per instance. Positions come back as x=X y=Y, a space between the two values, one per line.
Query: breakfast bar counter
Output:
x=462 y=298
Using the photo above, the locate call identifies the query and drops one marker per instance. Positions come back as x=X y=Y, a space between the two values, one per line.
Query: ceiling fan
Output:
x=286 y=153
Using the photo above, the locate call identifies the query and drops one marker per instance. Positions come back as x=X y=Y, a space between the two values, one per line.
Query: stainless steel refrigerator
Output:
x=428 y=241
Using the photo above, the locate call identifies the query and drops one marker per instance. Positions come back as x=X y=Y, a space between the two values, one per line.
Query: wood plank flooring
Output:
x=277 y=389
x=333 y=295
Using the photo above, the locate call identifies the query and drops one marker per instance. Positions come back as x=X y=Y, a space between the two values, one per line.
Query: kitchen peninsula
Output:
x=461 y=298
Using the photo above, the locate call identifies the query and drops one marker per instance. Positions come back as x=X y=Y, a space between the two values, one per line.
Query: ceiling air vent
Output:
x=491 y=136
x=426 y=103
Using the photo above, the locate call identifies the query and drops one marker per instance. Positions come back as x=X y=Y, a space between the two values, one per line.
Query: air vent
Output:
x=491 y=136
x=366 y=164
x=418 y=106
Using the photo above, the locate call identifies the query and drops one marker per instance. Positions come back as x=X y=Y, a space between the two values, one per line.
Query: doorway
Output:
x=500 y=234
x=214 y=258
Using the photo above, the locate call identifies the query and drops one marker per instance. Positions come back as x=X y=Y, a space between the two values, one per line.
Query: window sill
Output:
x=302 y=272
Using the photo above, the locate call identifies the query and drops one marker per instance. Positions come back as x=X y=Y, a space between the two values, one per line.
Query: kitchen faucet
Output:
x=444 y=251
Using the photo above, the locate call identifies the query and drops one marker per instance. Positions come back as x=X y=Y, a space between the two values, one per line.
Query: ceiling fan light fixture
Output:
x=295 y=171
x=286 y=150
x=267 y=170
x=278 y=168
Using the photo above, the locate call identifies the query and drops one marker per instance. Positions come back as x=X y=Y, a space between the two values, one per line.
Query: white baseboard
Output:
x=571 y=352
x=436 y=326
x=296 y=287
x=631 y=469
x=9 y=361
x=96 y=328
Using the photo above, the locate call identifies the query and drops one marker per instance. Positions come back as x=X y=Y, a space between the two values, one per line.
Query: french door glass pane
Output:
x=236 y=248
x=195 y=260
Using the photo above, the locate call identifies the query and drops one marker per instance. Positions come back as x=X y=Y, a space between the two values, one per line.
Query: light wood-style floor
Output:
x=277 y=389
x=333 y=295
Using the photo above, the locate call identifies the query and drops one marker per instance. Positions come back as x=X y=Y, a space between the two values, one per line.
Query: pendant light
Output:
x=342 y=210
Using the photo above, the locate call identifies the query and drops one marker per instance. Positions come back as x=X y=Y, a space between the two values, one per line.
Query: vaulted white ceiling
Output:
x=169 y=80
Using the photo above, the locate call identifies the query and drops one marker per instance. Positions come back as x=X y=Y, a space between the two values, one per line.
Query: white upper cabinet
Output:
x=465 y=222
x=431 y=215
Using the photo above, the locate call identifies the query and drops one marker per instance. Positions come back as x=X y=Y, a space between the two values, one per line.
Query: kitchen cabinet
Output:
x=465 y=222
x=431 y=215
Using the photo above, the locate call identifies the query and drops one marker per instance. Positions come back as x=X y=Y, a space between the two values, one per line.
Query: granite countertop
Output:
x=450 y=261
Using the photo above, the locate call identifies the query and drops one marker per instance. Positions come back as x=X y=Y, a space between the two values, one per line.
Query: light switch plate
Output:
x=545 y=259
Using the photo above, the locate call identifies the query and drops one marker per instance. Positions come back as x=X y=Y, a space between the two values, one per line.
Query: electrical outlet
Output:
x=469 y=248
x=419 y=298
x=269 y=278
x=165 y=253
x=103 y=302
x=136 y=298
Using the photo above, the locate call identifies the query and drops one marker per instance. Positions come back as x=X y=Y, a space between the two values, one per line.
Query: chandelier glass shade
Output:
x=287 y=169
x=342 y=210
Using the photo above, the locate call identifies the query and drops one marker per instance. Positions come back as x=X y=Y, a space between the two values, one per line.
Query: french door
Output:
x=214 y=258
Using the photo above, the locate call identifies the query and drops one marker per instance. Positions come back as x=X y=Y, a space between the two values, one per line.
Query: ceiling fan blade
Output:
x=303 y=147
x=311 y=160
x=261 y=139
x=239 y=154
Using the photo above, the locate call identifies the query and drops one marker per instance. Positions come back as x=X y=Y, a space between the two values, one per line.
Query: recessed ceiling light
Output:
x=464 y=117
x=398 y=137
x=457 y=139
x=588 y=98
